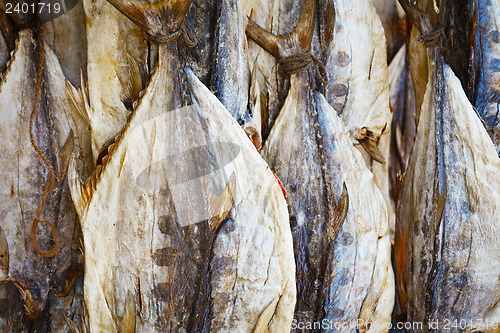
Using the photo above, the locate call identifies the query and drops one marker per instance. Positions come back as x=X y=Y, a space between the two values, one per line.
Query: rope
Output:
x=187 y=37
x=301 y=62
x=34 y=227
x=433 y=38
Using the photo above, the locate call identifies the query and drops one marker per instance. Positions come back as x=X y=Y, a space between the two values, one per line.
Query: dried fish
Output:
x=311 y=152
x=487 y=57
x=394 y=21
x=193 y=226
x=38 y=217
x=358 y=87
x=446 y=234
x=115 y=71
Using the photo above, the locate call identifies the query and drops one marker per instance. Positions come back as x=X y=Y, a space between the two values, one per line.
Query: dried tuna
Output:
x=358 y=87
x=39 y=245
x=193 y=230
x=487 y=57
x=394 y=21
x=446 y=233
x=328 y=186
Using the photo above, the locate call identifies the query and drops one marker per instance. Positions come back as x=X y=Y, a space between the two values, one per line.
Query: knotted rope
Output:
x=433 y=38
x=301 y=62
x=182 y=33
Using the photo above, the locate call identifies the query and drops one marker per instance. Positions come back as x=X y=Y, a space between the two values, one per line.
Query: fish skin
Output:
x=487 y=54
x=394 y=21
x=232 y=72
x=448 y=211
x=66 y=36
x=308 y=130
x=276 y=16
x=402 y=133
x=358 y=87
x=108 y=69
x=24 y=179
x=173 y=260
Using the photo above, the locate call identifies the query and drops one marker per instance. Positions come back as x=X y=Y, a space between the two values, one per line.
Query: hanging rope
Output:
x=301 y=62
x=37 y=220
x=433 y=38
x=182 y=33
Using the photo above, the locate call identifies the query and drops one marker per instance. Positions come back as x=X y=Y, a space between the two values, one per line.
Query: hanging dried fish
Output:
x=402 y=132
x=487 y=57
x=115 y=72
x=329 y=187
x=40 y=236
x=358 y=87
x=394 y=21
x=446 y=234
x=234 y=84
x=192 y=225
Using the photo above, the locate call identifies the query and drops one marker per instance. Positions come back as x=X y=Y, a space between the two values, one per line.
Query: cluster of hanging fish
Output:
x=250 y=166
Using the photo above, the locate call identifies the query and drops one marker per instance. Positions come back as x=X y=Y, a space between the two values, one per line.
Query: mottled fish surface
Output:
x=446 y=233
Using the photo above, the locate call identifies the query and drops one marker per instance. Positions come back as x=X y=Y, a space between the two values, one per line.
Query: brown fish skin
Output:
x=26 y=176
x=446 y=247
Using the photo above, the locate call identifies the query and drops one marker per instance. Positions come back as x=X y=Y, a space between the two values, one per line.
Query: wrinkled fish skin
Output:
x=358 y=87
x=7 y=40
x=113 y=80
x=146 y=269
x=24 y=177
x=394 y=21
x=487 y=57
x=446 y=233
x=311 y=152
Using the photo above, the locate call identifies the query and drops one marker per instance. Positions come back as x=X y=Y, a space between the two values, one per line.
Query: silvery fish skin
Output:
x=310 y=150
x=358 y=87
x=446 y=234
x=115 y=70
x=232 y=72
x=159 y=263
x=487 y=56
x=25 y=176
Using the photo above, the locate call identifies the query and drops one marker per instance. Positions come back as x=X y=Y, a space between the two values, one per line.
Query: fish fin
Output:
x=127 y=323
x=81 y=192
x=264 y=38
x=329 y=26
x=4 y=257
x=285 y=45
x=368 y=141
x=305 y=26
x=65 y=154
x=157 y=18
x=265 y=317
x=71 y=325
x=131 y=82
x=413 y=13
x=79 y=99
x=220 y=205
x=341 y=207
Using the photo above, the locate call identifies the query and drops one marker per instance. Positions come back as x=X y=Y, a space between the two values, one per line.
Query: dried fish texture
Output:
x=115 y=70
x=7 y=40
x=487 y=57
x=277 y=17
x=336 y=233
x=394 y=21
x=358 y=87
x=447 y=229
x=148 y=251
x=193 y=229
x=65 y=35
x=39 y=223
